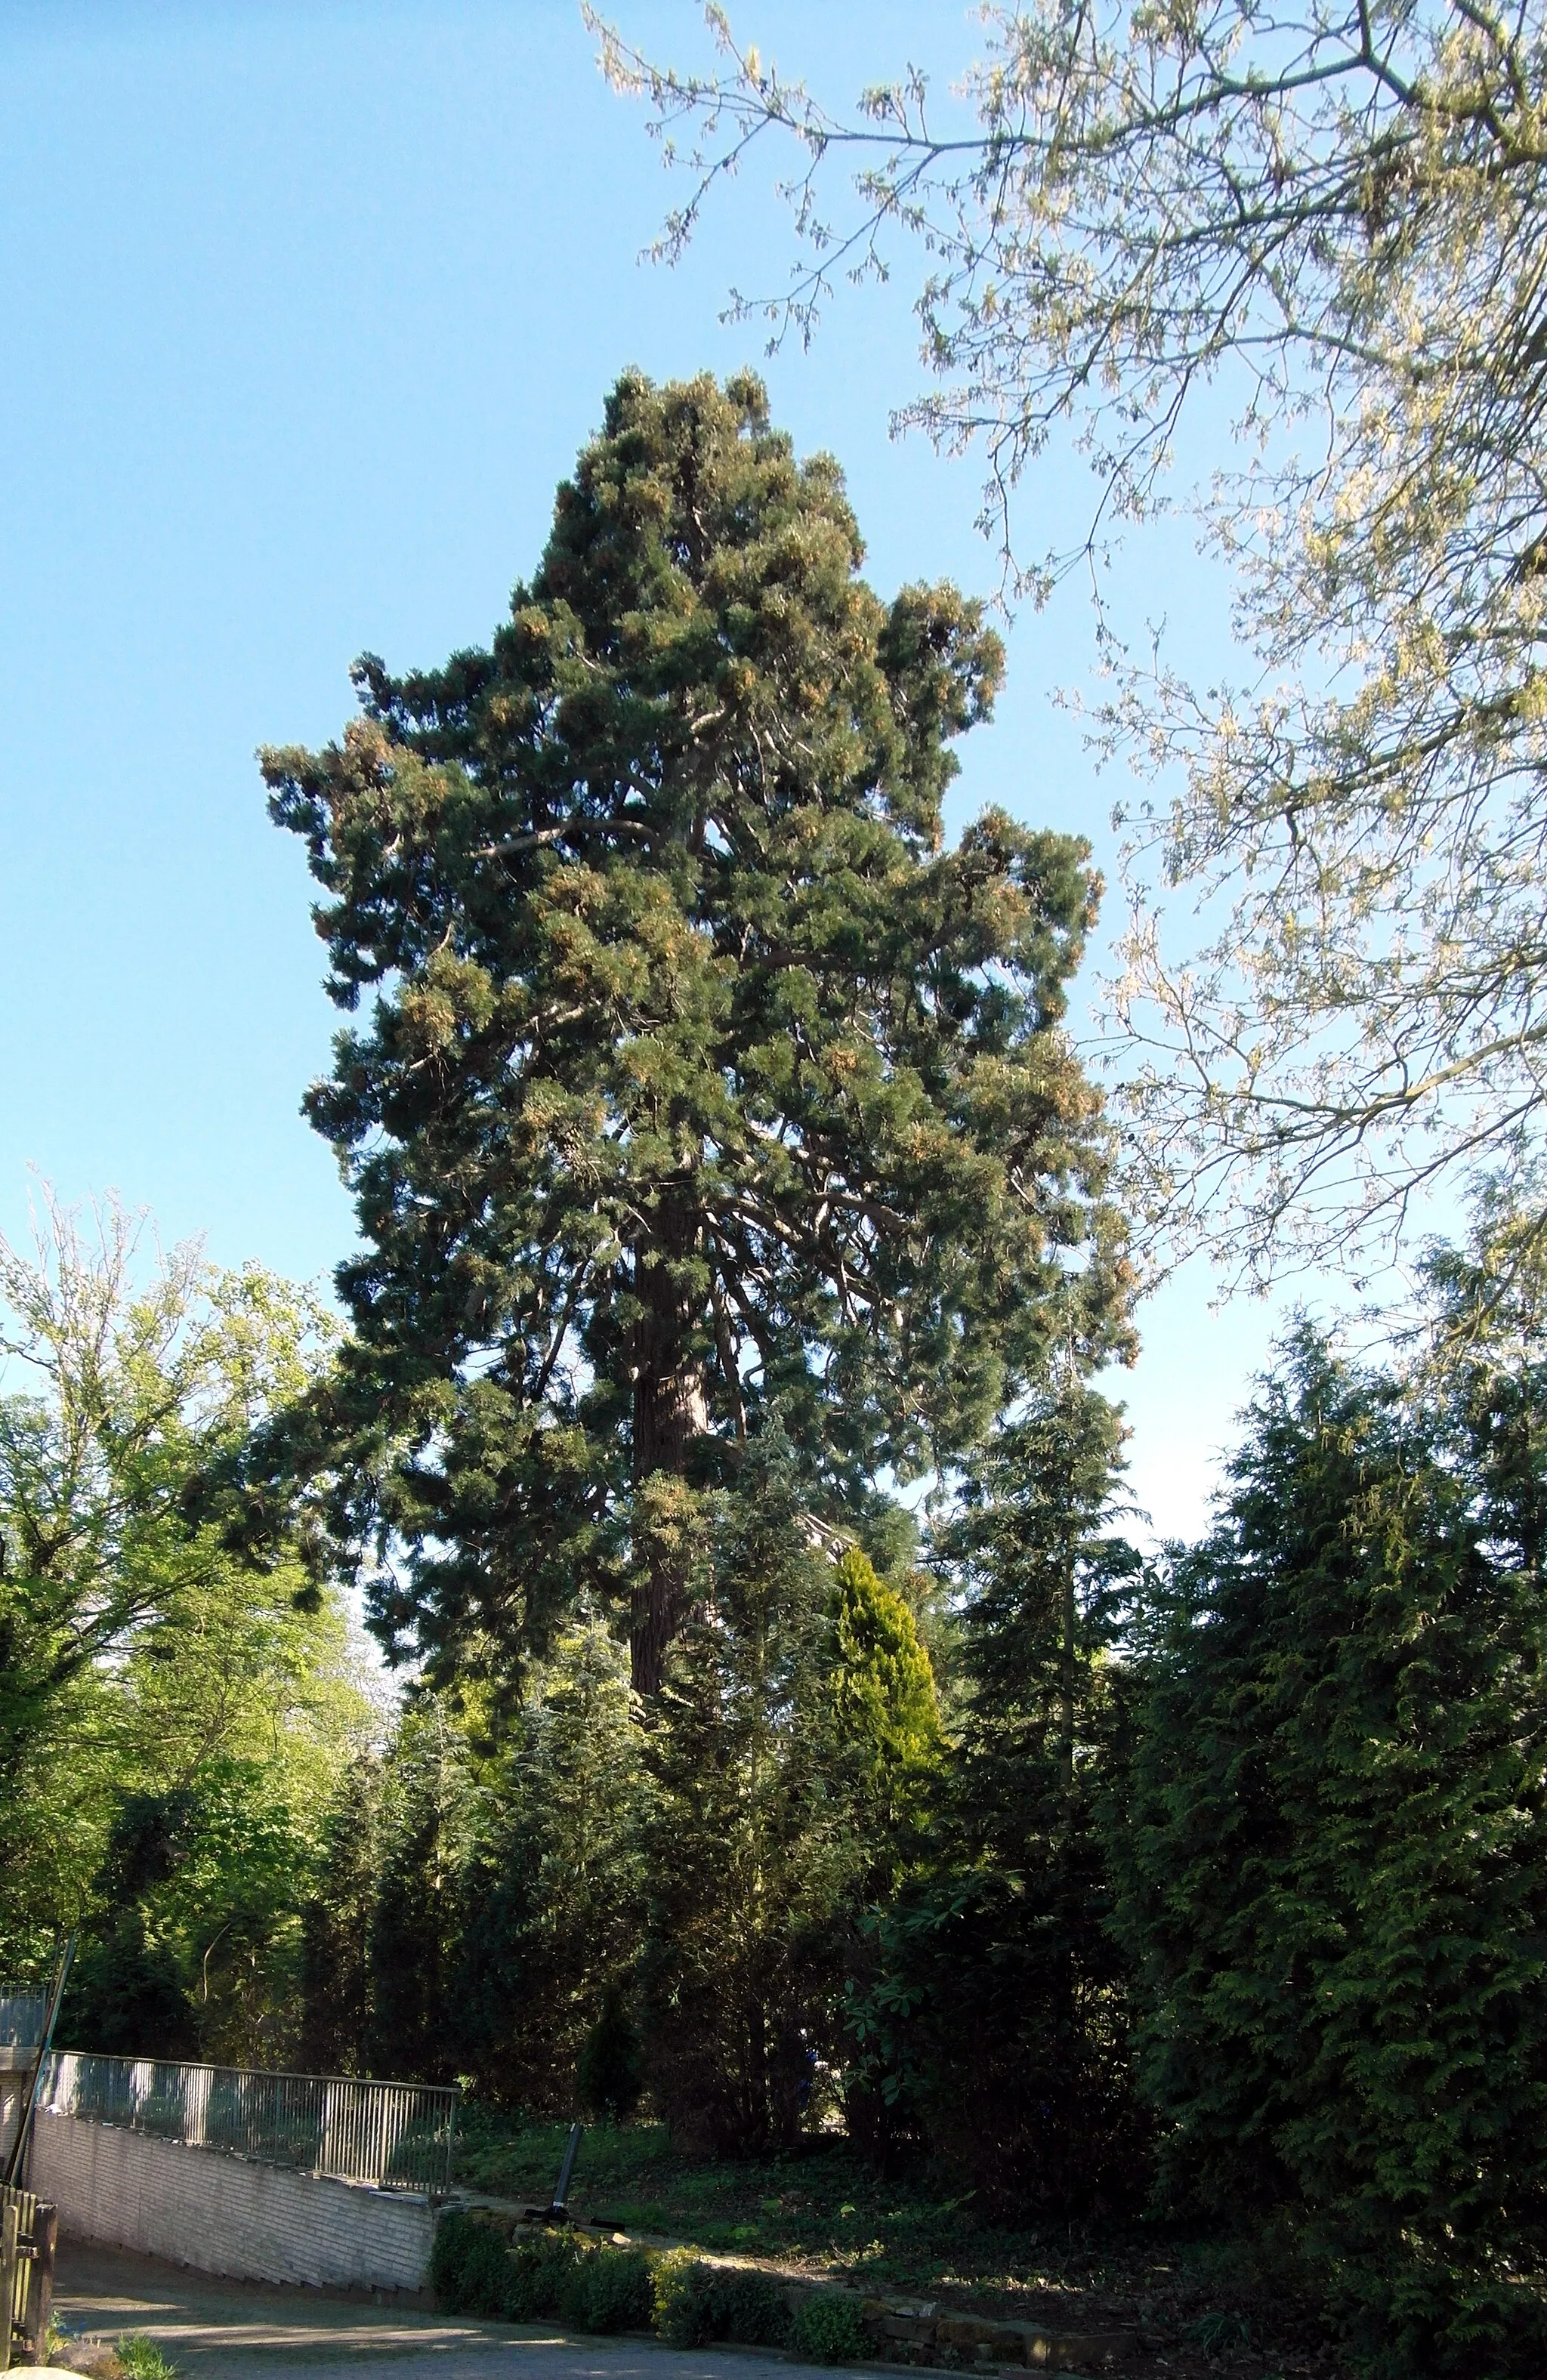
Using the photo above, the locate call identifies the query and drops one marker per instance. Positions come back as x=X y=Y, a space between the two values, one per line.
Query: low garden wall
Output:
x=226 y=2214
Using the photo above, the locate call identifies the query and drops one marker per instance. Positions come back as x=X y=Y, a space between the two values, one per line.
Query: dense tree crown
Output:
x=702 y=1079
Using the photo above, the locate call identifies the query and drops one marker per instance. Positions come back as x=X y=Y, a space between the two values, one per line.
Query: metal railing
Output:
x=393 y=2135
x=22 y=2015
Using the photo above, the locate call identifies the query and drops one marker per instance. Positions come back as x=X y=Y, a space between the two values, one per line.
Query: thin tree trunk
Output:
x=1069 y=1668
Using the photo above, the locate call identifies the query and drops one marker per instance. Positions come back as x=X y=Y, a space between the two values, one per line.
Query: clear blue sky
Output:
x=307 y=309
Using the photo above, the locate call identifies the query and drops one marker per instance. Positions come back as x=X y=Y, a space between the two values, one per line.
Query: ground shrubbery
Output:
x=697 y=2302
x=829 y=2329
x=609 y=2290
x=476 y=2269
x=142 y=2359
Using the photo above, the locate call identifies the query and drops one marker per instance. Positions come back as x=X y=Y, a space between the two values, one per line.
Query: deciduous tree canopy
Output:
x=1339 y=213
x=173 y=1718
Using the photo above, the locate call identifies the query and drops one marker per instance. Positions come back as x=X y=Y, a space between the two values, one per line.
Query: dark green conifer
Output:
x=989 y=2011
x=335 y=1928
x=701 y=1080
x=885 y=1712
x=1335 y=1864
x=609 y=2073
x=757 y=1838
x=552 y=1891
x=428 y=1808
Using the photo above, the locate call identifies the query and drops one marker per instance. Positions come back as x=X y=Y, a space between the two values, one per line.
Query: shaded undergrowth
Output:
x=1206 y=2305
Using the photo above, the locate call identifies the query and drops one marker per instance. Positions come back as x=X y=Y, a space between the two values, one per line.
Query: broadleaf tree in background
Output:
x=173 y=1718
x=1324 y=227
x=704 y=1082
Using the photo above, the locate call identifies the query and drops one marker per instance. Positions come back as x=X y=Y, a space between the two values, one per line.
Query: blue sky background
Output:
x=307 y=309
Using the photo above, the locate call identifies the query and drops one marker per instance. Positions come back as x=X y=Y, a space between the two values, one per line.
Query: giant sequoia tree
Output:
x=701 y=1079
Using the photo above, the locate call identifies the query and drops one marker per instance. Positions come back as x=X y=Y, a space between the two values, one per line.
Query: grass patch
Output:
x=143 y=2359
x=817 y=2209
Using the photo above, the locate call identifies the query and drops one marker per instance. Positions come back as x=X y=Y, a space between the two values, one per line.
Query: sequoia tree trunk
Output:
x=671 y=1410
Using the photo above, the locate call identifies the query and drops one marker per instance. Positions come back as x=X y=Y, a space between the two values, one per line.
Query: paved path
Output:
x=253 y=2332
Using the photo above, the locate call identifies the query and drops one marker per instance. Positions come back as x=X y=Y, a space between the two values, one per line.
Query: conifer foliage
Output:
x=702 y=1080
x=882 y=1685
x=990 y=2013
x=759 y=1838
x=1335 y=1864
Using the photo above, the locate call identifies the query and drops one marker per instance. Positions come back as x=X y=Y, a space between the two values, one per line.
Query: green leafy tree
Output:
x=241 y=1701
x=701 y=1078
x=231 y=1909
x=192 y=1944
x=145 y=1665
x=128 y=1993
x=132 y=1388
x=1333 y=1859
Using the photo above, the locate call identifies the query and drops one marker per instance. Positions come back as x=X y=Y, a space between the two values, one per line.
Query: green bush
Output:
x=468 y=2262
x=676 y=2301
x=829 y=2328
x=751 y=2307
x=473 y=2269
x=698 y=2303
x=540 y=2274
x=609 y=2289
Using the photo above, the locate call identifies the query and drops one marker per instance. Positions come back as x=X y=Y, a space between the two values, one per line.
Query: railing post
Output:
x=10 y=2220
x=40 y=2299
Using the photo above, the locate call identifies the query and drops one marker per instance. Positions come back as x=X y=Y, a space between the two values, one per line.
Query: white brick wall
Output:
x=12 y=2088
x=17 y=2062
x=224 y=2215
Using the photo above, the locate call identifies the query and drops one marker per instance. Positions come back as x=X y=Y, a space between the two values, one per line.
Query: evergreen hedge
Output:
x=696 y=2303
x=475 y=2269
